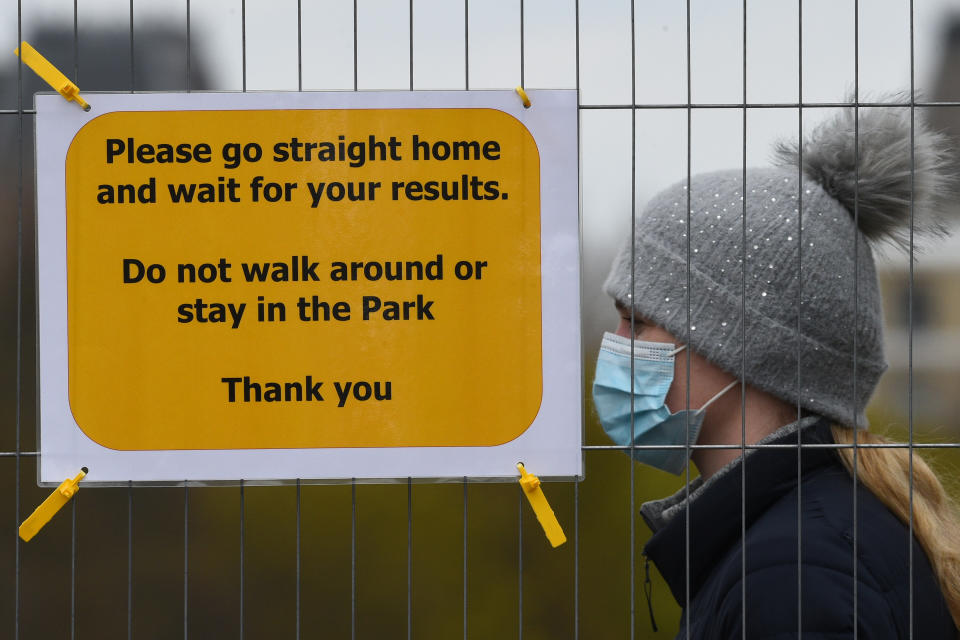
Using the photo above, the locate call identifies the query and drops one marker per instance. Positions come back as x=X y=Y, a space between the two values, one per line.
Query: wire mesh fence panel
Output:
x=665 y=93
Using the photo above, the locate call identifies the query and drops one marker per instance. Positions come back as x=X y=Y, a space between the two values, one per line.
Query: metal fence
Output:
x=419 y=560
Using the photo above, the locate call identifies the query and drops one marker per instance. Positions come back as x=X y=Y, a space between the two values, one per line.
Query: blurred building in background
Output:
x=931 y=391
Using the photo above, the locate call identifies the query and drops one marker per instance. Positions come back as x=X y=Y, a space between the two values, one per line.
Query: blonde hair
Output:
x=936 y=524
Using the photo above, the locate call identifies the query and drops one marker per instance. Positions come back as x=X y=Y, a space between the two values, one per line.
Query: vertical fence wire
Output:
x=856 y=291
x=356 y=65
x=186 y=488
x=409 y=558
x=743 y=342
x=522 y=49
x=299 y=523
x=74 y=534
x=243 y=43
x=913 y=170
x=633 y=333
x=243 y=48
x=465 y=557
x=409 y=479
x=189 y=82
x=410 y=11
x=520 y=563
x=297 y=620
x=576 y=561
x=686 y=528
x=299 y=569
x=18 y=390
x=799 y=320
x=186 y=554
x=576 y=484
x=299 y=45
x=76 y=46
x=73 y=567
x=353 y=481
x=129 y=559
x=133 y=87
x=242 y=546
x=133 y=67
x=520 y=496
x=353 y=559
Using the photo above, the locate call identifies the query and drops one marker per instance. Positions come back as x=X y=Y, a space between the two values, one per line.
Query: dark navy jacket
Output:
x=826 y=608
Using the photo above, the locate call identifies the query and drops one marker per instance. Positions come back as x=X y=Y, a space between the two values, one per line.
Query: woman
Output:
x=787 y=306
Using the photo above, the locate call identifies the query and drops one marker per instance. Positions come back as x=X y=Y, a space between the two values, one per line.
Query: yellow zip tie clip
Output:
x=545 y=515
x=523 y=97
x=49 y=507
x=50 y=74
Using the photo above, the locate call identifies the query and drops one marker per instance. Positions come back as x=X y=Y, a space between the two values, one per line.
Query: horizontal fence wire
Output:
x=684 y=105
x=663 y=447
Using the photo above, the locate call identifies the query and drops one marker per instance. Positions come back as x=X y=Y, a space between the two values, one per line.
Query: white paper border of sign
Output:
x=551 y=447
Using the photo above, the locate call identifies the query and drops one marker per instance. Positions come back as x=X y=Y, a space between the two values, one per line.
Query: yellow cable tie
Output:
x=523 y=97
x=49 y=507
x=43 y=68
x=545 y=515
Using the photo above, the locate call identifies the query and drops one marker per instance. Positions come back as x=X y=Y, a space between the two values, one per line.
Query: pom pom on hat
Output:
x=878 y=182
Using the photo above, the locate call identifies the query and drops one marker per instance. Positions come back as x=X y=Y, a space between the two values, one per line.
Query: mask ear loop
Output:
x=677 y=350
x=716 y=397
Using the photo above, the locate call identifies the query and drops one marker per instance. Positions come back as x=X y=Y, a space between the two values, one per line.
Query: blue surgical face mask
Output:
x=647 y=416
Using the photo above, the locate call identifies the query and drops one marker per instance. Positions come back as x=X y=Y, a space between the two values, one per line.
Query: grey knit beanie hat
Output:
x=745 y=297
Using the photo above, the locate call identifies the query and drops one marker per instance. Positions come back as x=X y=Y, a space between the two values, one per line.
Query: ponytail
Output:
x=936 y=524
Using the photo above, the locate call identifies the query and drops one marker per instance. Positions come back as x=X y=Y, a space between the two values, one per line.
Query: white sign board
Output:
x=270 y=286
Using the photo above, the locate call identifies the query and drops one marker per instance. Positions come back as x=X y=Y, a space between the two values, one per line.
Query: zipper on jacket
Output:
x=648 y=591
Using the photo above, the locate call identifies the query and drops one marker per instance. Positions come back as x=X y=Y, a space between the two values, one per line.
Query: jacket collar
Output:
x=714 y=507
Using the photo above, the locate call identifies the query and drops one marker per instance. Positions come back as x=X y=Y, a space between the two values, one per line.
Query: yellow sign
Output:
x=286 y=278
